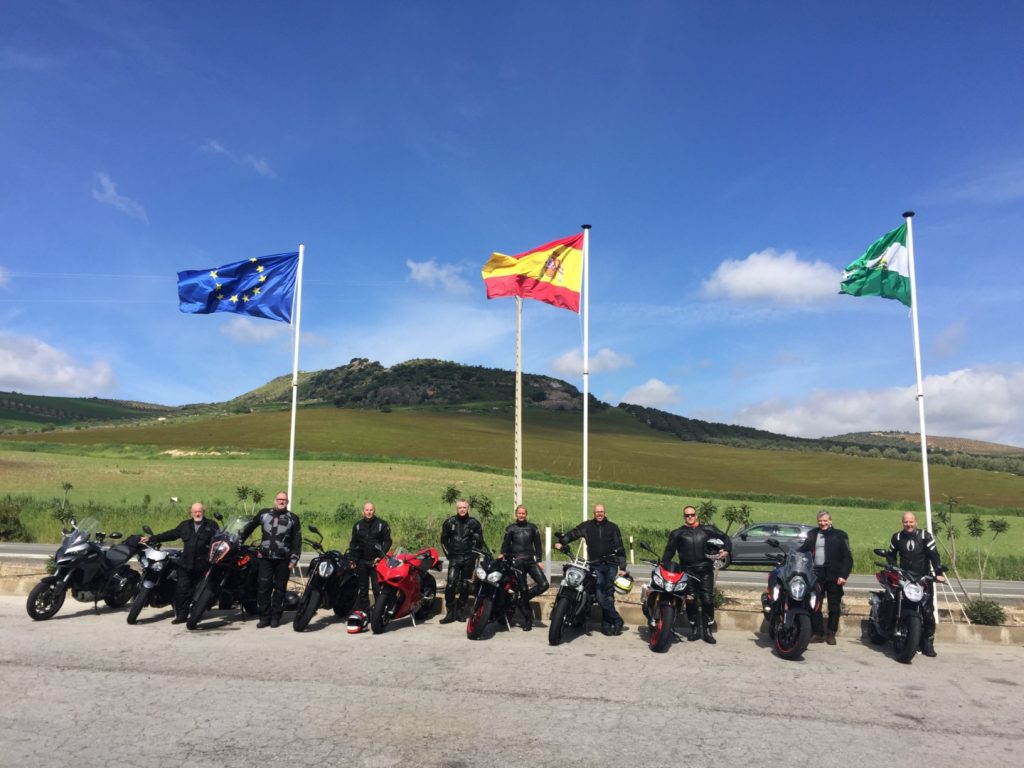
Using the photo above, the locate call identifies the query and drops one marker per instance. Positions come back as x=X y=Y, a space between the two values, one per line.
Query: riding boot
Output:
x=450 y=615
x=460 y=610
x=694 y=632
x=527 y=615
x=830 y=637
x=928 y=647
x=708 y=637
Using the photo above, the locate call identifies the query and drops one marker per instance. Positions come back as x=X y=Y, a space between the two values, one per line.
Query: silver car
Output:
x=750 y=545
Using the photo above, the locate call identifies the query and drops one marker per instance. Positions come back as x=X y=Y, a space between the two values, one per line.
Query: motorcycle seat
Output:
x=122 y=553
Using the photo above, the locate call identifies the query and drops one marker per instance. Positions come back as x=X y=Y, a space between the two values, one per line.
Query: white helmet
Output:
x=357 y=622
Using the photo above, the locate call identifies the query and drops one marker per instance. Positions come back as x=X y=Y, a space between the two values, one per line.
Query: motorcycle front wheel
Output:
x=556 y=625
x=661 y=633
x=199 y=605
x=792 y=642
x=45 y=600
x=380 y=617
x=126 y=592
x=906 y=643
x=478 y=619
x=138 y=603
x=308 y=604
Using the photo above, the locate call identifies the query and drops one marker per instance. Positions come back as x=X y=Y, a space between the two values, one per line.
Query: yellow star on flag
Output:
x=259 y=268
x=220 y=296
x=256 y=291
x=213 y=274
x=245 y=298
x=253 y=259
x=263 y=278
x=234 y=299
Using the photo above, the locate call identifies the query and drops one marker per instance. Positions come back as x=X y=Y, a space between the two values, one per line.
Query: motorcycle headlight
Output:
x=144 y=562
x=157 y=565
x=494 y=577
x=573 y=577
x=481 y=574
x=913 y=592
x=657 y=581
x=325 y=568
x=219 y=551
x=798 y=587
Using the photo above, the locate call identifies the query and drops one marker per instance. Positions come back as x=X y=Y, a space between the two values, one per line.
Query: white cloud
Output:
x=108 y=196
x=975 y=403
x=432 y=275
x=258 y=164
x=654 y=394
x=571 y=363
x=34 y=367
x=778 y=277
x=246 y=330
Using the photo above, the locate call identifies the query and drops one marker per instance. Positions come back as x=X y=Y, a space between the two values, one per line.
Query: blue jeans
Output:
x=604 y=592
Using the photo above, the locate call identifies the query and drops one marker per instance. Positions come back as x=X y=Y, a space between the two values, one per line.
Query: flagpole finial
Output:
x=584 y=226
x=908 y=214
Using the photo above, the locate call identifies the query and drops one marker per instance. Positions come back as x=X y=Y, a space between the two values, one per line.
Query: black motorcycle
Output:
x=231 y=576
x=330 y=583
x=663 y=600
x=793 y=597
x=896 y=610
x=91 y=570
x=159 y=578
x=574 y=598
x=497 y=595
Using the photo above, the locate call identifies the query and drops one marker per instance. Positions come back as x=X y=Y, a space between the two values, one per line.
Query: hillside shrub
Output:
x=985 y=612
x=11 y=527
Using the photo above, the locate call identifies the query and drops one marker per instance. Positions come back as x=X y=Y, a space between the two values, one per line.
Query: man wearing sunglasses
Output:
x=697 y=546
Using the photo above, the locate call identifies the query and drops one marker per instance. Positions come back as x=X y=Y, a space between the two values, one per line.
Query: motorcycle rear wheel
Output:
x=127 y=592
x=791 y=643
x=907 y=644
x=428 y=588
x=138 y=603
x=556 y=625
x=199 y=605
x=45 y=600
x=479 y=618
x=661 y=633
x=380 y=617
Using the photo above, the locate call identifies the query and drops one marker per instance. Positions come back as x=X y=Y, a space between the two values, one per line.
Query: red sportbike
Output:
x=406 y=587
x=663 y=600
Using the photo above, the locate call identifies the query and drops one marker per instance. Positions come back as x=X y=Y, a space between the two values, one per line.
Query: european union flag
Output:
x=260 y=287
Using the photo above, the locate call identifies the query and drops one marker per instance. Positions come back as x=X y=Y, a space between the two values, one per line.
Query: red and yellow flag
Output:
x=552 y=273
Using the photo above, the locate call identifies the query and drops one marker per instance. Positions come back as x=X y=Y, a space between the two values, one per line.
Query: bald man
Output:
x=195 y=534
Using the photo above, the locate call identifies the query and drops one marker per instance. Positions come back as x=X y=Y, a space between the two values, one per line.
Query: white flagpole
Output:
x=517 y=481
x=908 y=216
x=295 y=374
x=586 y=362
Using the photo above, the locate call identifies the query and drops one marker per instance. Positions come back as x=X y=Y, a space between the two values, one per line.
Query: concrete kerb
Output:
x=741 y=613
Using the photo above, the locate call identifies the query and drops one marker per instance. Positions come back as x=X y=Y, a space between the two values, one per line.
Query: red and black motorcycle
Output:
x=406 y=587
x=663 y=600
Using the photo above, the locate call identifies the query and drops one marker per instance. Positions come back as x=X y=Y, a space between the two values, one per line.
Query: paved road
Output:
x=88 y=690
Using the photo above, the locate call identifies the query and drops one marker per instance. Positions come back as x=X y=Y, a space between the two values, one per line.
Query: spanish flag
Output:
x=551 y=273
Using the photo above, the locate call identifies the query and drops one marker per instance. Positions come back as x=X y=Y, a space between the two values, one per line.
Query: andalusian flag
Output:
x=551 y=273
x=884 y=270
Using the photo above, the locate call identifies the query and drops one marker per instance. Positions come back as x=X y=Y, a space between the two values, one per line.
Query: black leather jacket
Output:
x=366 y=536
x=604 y=541
x=690 y=544
x=838 y=558
x=916 y=551
x=461 y=535
x=522 y=540
x=195 y=551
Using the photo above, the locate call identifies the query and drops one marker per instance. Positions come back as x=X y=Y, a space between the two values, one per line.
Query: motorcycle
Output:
x=574 y=598
x=91 y=570
x=331 y=583
x=497 y=594
x=793 y=597
x=231 y=576
x=896 y=610
x=159 y=578
x=406 y=587
x=662 y=600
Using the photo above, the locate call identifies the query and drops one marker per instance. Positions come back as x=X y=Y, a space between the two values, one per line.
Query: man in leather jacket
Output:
x=833 y=562
x=522 y=545
x=607 y=557
x=195 y=534
x=460 y=535
x=694 y=543
x=917 y=553
x=371 y=540
x=278 y=552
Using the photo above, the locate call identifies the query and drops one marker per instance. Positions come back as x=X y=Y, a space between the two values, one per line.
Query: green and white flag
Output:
x=883 y=270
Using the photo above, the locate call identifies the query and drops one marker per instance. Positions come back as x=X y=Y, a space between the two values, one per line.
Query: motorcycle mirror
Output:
x=314 y=529
x=147 y=530
x=72 y=522
x=114 y=535
x=880 y=552
x=218 y=516
x=773 y=543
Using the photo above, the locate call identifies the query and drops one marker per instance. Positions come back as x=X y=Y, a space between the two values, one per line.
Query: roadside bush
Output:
x=11 y=527
x=346 y=513
x=986 y=612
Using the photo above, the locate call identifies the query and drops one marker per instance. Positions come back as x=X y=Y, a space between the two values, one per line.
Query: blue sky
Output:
x=731 y=157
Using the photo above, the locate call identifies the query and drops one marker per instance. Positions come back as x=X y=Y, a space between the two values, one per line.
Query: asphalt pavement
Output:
x=86 y=689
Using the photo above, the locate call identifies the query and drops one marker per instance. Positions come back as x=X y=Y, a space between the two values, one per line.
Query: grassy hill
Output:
x=37 y=411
